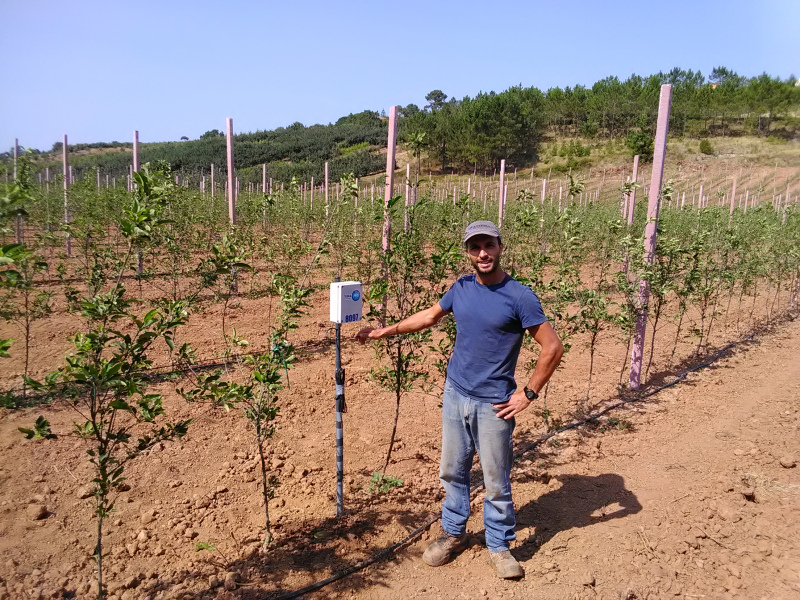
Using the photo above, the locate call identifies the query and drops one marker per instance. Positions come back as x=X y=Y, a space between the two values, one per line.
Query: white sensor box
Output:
x=346 y=301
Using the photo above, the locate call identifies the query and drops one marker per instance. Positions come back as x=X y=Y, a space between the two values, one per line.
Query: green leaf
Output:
x=200 y=546
x=41 y=429
x=4 y=347
x=122 y=405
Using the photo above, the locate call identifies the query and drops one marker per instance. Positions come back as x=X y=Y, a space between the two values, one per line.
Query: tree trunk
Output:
x=264 y=490
x=397 y=391
x=99 y=558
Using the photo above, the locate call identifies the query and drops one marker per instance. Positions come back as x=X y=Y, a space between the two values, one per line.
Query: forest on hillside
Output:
x=477 y=132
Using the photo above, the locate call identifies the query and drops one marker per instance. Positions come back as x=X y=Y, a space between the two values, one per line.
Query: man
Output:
x=492 y=312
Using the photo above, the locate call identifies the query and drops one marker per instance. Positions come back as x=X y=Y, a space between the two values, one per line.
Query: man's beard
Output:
x=493 y=269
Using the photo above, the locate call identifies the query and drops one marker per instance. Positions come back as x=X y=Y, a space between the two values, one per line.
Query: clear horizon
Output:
x=97 y=71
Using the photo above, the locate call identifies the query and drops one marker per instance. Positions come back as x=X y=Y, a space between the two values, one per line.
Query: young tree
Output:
x=105 y=379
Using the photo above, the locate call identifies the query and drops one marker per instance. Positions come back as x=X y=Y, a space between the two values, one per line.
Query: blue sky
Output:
x=98 y=70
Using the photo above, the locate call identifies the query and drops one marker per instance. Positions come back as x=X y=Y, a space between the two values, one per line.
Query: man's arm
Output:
x=416 y=322
x=549 y=357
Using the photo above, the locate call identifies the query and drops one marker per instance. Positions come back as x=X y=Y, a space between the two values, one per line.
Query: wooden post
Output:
x=312 y=194
x=231 y=172
x=408 y=195
x=656 y=179
x=625 y=199
x=65 y=161
x=18 y=221
x=632 y=200
x=212 y=180
x=326 y=189
x=544 y=191
x=391 y=149
x=264 y=178
x=136 y=151
x=500 y=193
x=733 y=200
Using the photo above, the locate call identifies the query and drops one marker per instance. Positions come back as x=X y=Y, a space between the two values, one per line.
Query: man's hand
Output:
x=368 y=333
x=515 y=404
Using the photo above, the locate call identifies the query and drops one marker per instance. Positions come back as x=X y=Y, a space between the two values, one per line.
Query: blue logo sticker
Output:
x=356 y=295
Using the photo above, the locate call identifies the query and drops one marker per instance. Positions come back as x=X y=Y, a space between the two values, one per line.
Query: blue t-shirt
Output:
x=490 y=323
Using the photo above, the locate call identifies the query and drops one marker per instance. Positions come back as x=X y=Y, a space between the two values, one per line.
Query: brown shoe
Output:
x=506 y=565
x=443 y=548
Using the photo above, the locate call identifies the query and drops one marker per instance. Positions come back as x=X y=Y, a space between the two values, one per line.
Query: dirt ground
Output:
x=694 y=493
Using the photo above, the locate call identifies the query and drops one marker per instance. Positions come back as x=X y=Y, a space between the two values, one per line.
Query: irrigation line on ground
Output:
x=431 y=520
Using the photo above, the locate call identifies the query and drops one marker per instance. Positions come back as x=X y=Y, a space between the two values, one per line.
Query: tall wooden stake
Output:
x=656 y=178
x=18 y=225
x=408 y=195
x=632 y=198
x=391 y=148
x=136 y=151
x=65 y=161
x=326 y=190
x=501 y=195
x=231 y=173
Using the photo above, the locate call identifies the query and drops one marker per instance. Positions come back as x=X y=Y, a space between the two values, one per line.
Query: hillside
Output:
x=586 y=126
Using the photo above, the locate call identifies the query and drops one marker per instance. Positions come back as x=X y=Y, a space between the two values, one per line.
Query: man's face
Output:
x=484 y=253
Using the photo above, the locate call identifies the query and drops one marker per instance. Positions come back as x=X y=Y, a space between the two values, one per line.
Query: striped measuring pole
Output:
x=341 y=407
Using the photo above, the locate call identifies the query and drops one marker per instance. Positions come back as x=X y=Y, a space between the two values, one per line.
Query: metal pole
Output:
x=656 y=177
x=340 y=407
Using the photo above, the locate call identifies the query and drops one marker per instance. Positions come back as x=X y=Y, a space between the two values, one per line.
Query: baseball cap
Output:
x=481 y=228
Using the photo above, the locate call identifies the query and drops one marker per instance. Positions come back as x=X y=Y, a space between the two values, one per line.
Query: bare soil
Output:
x=689 y=494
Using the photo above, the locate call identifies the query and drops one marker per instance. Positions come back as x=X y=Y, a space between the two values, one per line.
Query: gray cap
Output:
x=481 y=228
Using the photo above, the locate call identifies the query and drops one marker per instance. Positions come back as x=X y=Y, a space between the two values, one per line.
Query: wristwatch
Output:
x=530 y=394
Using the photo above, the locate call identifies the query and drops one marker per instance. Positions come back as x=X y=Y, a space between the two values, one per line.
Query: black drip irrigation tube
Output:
x=431 y=520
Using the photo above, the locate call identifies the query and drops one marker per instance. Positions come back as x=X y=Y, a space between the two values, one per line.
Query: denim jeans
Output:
x=469 y=425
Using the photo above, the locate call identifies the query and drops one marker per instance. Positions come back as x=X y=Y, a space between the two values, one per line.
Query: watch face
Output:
x=530 y=394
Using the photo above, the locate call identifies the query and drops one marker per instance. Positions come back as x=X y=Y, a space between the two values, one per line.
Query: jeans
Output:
x=469 y=425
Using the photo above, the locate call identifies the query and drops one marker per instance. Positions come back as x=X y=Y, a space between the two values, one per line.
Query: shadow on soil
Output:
x=313 y=552
x=581 y=501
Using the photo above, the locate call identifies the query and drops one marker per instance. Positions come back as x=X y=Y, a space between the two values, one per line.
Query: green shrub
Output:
x=641 y=143
x=706 y=147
